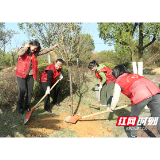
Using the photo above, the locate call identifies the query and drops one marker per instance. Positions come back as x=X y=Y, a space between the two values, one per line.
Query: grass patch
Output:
x=63 y=134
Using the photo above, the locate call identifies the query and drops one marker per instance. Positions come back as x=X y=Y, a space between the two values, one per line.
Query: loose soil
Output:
x=83 y=128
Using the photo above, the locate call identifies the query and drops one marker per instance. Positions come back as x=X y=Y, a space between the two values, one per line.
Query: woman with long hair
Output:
x=26 y=71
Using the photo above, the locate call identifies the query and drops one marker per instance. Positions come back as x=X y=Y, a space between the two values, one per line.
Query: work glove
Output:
x=109 y=109
x=100 y=86
x=48 y=90
x=61 y=76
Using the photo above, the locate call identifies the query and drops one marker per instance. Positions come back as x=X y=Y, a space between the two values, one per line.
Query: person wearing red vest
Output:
x=47 y=79
x=140 y=90
x=26 y=71
x=105 y=75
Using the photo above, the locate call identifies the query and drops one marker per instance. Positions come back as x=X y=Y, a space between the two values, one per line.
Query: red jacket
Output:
x=108 y=74
x=23 y=65
x=43 y=77
x=136 y=87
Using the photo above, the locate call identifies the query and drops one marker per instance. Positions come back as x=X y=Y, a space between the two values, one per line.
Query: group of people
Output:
x=140 y=90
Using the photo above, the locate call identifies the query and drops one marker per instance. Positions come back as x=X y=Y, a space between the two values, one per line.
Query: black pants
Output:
x=153 y=103
x=25 y=84
x=47 y=98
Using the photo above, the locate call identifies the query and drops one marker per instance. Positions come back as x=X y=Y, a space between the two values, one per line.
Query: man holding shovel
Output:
x=48 y=78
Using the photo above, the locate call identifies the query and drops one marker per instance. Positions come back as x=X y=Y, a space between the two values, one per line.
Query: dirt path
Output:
x=156 y=78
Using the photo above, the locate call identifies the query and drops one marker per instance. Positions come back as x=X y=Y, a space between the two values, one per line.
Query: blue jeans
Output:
x=153 y=103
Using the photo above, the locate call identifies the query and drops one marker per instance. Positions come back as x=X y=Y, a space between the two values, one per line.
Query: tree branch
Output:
x=77 y=51
x=146 y=34
x=134 y=28
x=154 y=38
x=124 y=43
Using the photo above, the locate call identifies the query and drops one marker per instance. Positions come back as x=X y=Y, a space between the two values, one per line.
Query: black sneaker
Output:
x=27 y=108
x=48 y=110
x=21 y=111
x=57 y=104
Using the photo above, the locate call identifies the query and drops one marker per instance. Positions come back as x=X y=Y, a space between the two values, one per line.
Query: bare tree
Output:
x=152 y=54
x=5 y=38
x=1 y=56
x=72 y=43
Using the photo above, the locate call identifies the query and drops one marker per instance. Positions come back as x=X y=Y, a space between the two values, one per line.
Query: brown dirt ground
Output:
x=157 y=77
x=156 y=71
x=49 y=124
x=9 y=69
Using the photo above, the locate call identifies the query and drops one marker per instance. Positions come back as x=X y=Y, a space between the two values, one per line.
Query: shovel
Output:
x=29 y=113
x=74 y=119
x=99 y=98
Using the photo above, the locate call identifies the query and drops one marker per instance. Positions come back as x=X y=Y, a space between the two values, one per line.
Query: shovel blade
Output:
x=25 y=121
x=72 y=119
x=28 y=115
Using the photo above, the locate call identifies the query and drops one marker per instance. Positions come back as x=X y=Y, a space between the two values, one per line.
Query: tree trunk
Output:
x=71 y=91
x=13 y=60
x=4 y=48
x=132 y=49
x=49 y=58
x=77 y=62
x=140 y=42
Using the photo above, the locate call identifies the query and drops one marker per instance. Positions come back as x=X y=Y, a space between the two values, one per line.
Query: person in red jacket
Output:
x=26 y=71
x=140 y=90
x=106 y=82
x=48 y=78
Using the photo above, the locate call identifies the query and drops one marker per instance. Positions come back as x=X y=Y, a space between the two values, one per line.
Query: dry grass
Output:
x=156 y=71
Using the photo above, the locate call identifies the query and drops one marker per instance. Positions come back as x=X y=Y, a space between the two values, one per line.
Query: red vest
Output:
x=136 y=87
x=23 y=65
x=108 y=74
x=43 y=77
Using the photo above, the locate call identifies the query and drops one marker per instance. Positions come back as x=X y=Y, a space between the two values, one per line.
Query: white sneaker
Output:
x=102 y=105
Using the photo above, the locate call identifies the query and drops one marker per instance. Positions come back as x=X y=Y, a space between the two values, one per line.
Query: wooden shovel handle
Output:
x=105 y=111
x=45 y=95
